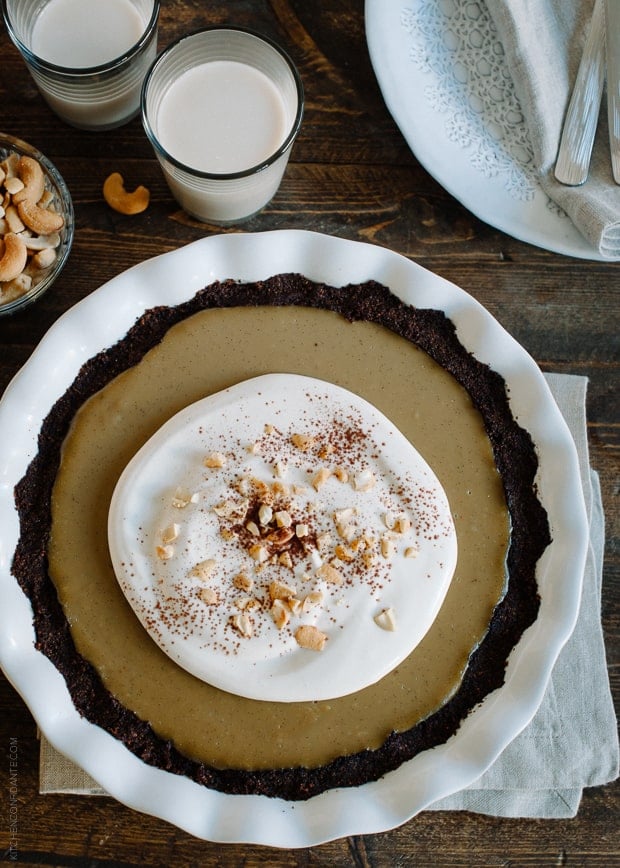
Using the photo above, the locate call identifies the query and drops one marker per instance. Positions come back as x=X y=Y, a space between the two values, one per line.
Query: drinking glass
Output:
x=97 y=97
x=212 y=196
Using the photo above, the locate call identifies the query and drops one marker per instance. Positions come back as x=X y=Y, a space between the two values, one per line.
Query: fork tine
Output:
x=612 y=33
x=579 y=129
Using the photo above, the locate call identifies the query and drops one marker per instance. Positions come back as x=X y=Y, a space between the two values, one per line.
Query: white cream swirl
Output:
x=282 y=540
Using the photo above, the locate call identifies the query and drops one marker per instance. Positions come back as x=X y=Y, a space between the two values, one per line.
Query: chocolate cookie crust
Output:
x=515 y=459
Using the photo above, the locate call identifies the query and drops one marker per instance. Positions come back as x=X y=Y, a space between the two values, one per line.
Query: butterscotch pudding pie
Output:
x=282 y=537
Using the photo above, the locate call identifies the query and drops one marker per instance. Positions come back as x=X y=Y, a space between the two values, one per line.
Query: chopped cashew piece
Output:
x=183 y=498
x=294 y=605
x=228 y=508
x=280 y=613
x=242 y=624
x=330 y=574
x=314 y=598
x=308 y=636
x=170 y=533
x=209 y=596
x=386 y=619
x=215 y=460
x=321 y=478
x=243 y=582
x=365 y=481
x=343 y=553
x=280 y=537
x=164 y=553
x=120 y=199
x=402 y=524
x=244 y=603
x=258 y=553
x=344 y=516
x=204 y=570
x=346 y=532
x=368 y=558
x=286 y=560
x=304 y=442
x=388 y=547
x=265 y=513
x=323 y=540
x=280 y=591
x=283 y=518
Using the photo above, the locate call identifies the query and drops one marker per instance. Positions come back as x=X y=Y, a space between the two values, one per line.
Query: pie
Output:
x=410 y=364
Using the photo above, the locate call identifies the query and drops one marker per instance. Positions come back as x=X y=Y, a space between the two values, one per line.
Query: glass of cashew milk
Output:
x=87 y=57
x=222 y=108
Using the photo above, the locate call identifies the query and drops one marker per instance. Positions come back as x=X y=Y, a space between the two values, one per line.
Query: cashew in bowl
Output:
x=29 y=226
x=31 y=174
x=120 y=199
x=42 y=221
x=14 y=257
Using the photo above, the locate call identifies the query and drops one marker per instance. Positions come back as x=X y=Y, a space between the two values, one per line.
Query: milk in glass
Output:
x=70 y=37
x=83 y=33
x=222 y=117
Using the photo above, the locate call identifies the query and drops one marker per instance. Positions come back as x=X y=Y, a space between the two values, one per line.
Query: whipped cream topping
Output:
x=282 y=540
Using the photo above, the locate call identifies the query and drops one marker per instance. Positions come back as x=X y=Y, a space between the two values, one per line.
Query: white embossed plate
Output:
x=443 y=75
x=101 y=319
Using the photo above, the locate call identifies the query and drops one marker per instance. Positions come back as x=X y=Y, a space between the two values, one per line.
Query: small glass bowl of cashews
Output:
x=36 y=224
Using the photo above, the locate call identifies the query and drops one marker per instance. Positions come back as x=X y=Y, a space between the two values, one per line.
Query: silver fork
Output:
x=575 y=152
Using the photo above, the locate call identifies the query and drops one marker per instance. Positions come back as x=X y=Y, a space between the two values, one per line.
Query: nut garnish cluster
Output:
x=299 y=553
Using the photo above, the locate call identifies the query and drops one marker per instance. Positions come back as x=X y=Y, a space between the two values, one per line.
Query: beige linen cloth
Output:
x=571 y=743
x=543 y=41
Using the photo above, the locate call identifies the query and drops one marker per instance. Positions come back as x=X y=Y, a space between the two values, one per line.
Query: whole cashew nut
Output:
x=33 y=178
x=120 y=199
x=14 y=257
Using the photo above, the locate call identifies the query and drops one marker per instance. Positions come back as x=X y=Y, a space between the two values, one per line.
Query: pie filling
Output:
x=407 y=363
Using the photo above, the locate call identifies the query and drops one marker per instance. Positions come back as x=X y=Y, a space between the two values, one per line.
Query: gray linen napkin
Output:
x=543 y=41
x=571 y=743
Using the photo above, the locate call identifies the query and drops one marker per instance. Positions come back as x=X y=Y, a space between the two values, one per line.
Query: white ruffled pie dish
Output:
x=104 y=317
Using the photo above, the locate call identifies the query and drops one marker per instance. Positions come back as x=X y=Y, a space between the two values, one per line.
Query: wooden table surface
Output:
x=351 y=175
